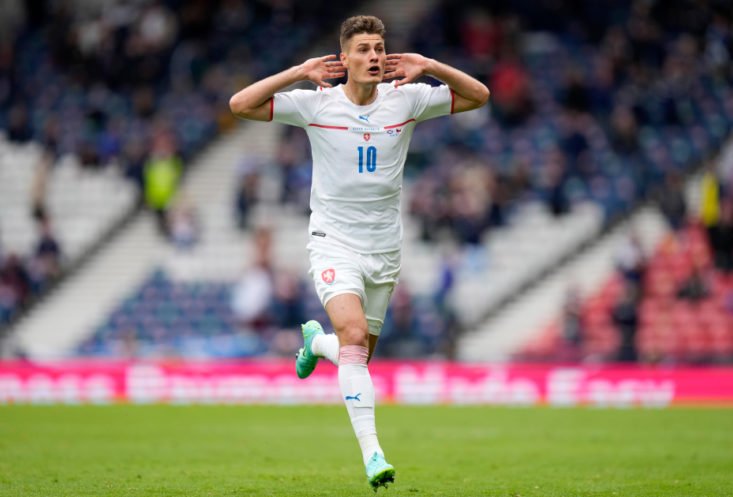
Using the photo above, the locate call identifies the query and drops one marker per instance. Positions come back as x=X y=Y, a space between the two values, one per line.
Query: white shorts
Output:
x=336 y=269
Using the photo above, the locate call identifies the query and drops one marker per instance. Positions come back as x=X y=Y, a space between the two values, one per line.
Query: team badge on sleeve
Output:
x=328 y=276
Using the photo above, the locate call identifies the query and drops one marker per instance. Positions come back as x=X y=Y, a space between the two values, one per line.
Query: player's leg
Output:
x=376 y=309
x=385 y=270
x=383 y=275
x=326 y=345
x=348 y=319
x=381 y=279
x=334 y=270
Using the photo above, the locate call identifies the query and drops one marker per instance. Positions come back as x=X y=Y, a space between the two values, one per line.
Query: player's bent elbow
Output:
x=484 y=95
x=235 y=105
x=477 y=101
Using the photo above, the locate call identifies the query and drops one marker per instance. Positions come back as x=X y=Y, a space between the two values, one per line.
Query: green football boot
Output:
x=306 y=360
x=379 y=472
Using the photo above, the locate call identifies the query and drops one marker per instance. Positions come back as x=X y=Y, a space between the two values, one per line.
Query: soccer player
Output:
x=359 y=134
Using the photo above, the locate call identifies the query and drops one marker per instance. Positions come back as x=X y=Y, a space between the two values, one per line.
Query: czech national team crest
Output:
x=328 y=276
x=367 y=136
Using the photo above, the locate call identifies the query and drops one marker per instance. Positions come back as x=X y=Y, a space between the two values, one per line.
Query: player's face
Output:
x=365 y=58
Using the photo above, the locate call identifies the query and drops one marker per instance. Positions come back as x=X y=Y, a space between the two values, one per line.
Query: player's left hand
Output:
x=405 y=67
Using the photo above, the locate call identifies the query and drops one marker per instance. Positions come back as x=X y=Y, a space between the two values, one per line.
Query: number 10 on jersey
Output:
x=371 y=159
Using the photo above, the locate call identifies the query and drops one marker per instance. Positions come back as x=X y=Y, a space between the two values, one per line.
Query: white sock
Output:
x=357 y=391
x=327 y=346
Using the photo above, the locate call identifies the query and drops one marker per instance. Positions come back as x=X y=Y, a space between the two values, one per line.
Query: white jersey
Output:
x=359 y=155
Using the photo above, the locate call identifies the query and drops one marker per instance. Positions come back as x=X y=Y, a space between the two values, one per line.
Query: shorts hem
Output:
x=359 y=294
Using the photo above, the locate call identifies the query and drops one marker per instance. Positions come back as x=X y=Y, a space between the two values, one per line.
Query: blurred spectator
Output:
x=575 y=94
x=446 y=281
x=49 y=156
x=247 y=191
x=132 y=161
x=572 y=325
x=510 y=90
x=695 y=287
x=294 y=160
x=429 y=204
x=8 y=301
x=719 y=40
x=631 y=262
x=645 y=35
x=625 y=316
x=184 y=225
x=518 y=181
x=601 y=86
x=624 y=132
x=554 y=184
x=482 y=35
x=287 y=308
x=252 y=296
x=401 y=334
x=712 y=217
x=721 y=238
x=16 y=282
x=575 y=144
x=671 y=201
x=162 y=175
x=469 y=198
x=48 y=255
x=19 y=126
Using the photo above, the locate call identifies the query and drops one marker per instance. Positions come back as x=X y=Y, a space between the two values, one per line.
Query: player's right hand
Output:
x=319 y=69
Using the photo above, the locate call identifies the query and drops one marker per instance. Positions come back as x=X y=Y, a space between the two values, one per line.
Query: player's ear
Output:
x=342 y=57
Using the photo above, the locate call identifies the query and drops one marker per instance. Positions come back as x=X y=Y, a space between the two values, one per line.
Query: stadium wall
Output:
x=401 y=382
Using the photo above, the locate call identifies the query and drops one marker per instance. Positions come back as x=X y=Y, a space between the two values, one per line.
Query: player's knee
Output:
x=354 y=335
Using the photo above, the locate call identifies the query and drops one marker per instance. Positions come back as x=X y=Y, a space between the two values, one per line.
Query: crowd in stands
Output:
x=613 y=102
x=610 y=101
x=138 y=86
x=25 y=278
x=600 y=101
x=673 y=304
x=258 y=315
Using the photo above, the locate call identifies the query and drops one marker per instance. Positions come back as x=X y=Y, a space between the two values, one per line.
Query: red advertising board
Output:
x=404 y=382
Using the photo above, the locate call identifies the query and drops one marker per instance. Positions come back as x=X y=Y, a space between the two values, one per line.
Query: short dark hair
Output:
x=361 y=24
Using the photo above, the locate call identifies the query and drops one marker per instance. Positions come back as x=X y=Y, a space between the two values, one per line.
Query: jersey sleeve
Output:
x=429 y=101
x=296 y=107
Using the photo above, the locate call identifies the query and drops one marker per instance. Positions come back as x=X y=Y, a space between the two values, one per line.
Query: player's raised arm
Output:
x=469 y=92
x=253 y=102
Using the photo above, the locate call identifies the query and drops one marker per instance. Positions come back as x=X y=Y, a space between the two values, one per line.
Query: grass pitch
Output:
x=310 y=451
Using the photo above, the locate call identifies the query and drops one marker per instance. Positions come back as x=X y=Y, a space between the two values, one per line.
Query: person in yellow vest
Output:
x=710 y=198
x=710 y=209
x=162 y=176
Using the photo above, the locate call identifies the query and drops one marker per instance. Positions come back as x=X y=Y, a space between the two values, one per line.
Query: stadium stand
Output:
x=105 y=86
x=592 y=109
x=229 y=242
x=521 y=322
x=676 y=310
x=604 y=115
x=79 y=208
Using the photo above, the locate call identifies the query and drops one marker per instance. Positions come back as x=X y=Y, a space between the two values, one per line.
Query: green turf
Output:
x=310 y=451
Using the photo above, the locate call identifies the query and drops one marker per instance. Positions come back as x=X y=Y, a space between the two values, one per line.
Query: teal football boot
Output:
x=306 y=360
x=379 y=472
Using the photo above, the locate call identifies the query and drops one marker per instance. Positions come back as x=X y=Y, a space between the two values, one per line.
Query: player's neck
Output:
x=360 y=94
